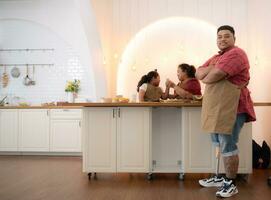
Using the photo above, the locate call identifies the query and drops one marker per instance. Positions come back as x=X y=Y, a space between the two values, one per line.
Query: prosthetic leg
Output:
x=217 y=155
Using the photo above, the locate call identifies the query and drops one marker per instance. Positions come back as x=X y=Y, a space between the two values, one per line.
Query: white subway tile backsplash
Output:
x=50 y=80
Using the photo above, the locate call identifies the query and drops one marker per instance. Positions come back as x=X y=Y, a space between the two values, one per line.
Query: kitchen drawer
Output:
x=66 y=113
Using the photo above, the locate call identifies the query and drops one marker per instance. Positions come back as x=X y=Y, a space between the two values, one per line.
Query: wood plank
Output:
x=54 y=178
x=141 y=104
x=118 y=104
x=42 y=107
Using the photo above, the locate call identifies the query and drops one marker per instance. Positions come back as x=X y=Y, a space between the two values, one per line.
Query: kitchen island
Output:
x=152 y=138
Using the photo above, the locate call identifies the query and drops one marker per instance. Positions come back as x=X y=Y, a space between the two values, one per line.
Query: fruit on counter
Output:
x=121 y=100
x=124 y=100
x=174 y=100
x=116 y=99
x=24 y=104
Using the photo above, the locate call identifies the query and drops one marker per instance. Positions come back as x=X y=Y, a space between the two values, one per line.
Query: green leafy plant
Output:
x=73 y=86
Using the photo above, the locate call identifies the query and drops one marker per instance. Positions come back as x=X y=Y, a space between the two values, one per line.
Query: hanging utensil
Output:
x=15 y=72
x=2 y=101
x=27 y=80
x=5 y=78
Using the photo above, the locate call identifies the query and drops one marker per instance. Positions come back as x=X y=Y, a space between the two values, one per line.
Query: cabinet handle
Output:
x=47 y=112
x=65 y=110
x=119 y=112
x=113 y=113
x=79 y=123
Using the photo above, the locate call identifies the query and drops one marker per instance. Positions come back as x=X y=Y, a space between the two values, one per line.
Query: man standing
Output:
x=227 y=105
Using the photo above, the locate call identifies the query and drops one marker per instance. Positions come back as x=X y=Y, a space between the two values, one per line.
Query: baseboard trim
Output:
x=41 y=153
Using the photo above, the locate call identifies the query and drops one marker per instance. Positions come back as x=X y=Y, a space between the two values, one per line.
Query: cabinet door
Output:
x=199 y=153
x=99 y=140
x=65 y=135
x=245 y=149
x=8 y=130
x=33 y=130
x=133 y=132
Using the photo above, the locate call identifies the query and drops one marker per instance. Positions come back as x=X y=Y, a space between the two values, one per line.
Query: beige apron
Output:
x=152 y=93
x=219 y=107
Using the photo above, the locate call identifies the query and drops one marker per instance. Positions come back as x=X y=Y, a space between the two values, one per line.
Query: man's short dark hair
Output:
x=226 y=27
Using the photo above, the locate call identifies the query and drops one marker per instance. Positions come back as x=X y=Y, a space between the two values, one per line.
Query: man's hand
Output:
x=202 y=72
x=243 y=85
x=214 y=75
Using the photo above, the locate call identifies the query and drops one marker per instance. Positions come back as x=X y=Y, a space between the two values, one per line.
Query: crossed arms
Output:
x=210 y=74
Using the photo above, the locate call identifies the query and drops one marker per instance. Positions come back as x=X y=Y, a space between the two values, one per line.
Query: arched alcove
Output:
x=163 y=45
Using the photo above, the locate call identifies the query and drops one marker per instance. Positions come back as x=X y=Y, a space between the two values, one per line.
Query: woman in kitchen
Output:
x=148 y=88
x=188 y=85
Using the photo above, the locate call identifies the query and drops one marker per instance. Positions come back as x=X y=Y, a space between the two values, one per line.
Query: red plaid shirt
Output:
x=235 y=63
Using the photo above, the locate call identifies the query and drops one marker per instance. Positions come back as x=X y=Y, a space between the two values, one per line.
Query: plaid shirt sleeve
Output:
x=209 y=61
x=231 y=62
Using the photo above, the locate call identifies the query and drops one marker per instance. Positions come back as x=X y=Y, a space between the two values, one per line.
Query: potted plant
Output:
x=72 y=89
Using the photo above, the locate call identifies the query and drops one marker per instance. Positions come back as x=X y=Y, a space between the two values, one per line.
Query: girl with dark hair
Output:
x=148 y=87
x=188 y=85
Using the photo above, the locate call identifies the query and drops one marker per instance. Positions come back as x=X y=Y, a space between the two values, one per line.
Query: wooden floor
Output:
x=41 y=177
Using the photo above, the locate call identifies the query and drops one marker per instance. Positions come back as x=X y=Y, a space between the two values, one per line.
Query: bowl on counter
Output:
x=106 y=100
x=197 y=97
x=48 y=104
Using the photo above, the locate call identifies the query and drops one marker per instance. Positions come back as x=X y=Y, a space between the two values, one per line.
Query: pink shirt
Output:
x=235 y=63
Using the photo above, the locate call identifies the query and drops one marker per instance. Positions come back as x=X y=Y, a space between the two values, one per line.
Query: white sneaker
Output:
x=227 y=190
x=212 y=182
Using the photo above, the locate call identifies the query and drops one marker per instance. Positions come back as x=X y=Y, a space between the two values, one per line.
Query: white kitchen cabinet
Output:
x=65 y=130
x=8 y=130
x=199 y=156
x=245 y=149
x=199 y=153
x=116 y=139
x=133 y=135
x=34 y=130
x=99 y=140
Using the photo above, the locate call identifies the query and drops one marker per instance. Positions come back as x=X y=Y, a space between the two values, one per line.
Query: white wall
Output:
x=58 y=24
x=259 y=49
x=120 y=20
